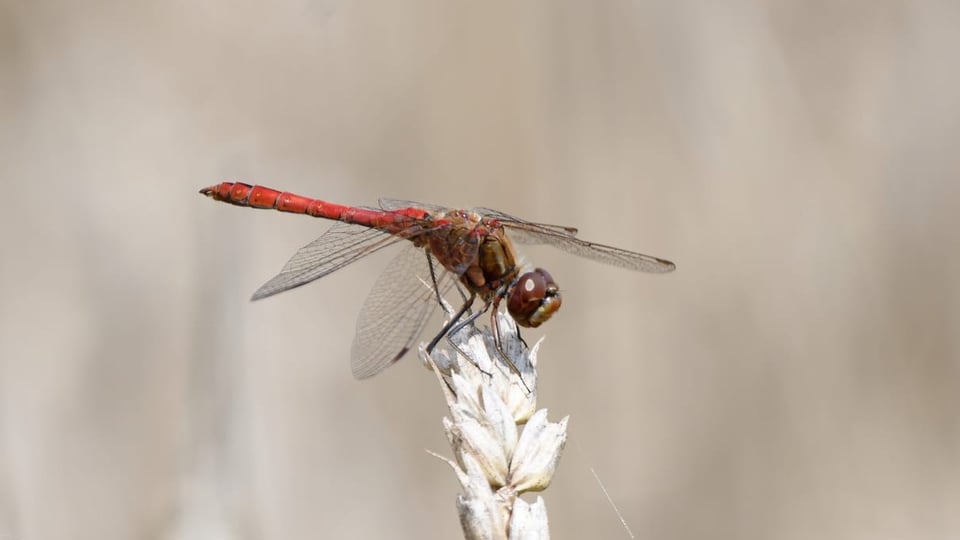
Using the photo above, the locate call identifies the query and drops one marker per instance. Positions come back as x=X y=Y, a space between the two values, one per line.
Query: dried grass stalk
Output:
x=503 y=446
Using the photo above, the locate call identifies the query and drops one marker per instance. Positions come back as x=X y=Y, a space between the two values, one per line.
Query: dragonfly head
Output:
x=533 y=298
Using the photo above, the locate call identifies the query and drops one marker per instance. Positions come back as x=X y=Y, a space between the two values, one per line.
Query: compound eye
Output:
x=534 y=298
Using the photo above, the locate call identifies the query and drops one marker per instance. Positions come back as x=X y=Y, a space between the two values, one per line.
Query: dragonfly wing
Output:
x=396 y=311
x=615 y=256
x=400 y=204
x=341 y=245
x=519 y=235
x=558 y=236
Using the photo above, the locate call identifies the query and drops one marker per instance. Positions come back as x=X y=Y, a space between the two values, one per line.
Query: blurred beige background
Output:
x=798 y=377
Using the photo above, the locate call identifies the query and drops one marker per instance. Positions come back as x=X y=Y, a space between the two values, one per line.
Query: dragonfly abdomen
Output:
x=240 y=194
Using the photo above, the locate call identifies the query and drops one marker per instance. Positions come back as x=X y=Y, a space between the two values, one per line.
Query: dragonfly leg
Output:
x=454 y=325
x=460 y=326
x=463 y=295
x=436 y=288
x=522 y=341
x=498 y=343
x=494 y=327
x=433 y=280
x=454 y=322
x=464 y=323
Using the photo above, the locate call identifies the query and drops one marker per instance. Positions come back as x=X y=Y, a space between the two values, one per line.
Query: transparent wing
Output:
x=532 y=239
x=396 y=310
x=341 y=245
x=558 y=236
x=399 y=204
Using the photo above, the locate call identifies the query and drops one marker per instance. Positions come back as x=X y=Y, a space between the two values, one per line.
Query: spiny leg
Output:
x=453 y=322
x=494 y=327
x=463 y=295
x=433 y=281
x=460 y=326
x=523 y=341
x=464 y=323
x=454 y=325
x=498 y=343
x=436 y=289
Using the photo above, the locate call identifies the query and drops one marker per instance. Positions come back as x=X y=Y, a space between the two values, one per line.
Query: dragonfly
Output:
x=470 y=250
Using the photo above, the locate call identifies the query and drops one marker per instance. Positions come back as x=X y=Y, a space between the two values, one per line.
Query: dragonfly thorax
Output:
x=481 y=253
x=477 y=251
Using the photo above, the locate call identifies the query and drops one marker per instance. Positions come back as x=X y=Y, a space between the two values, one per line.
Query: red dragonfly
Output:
x=446 y=247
